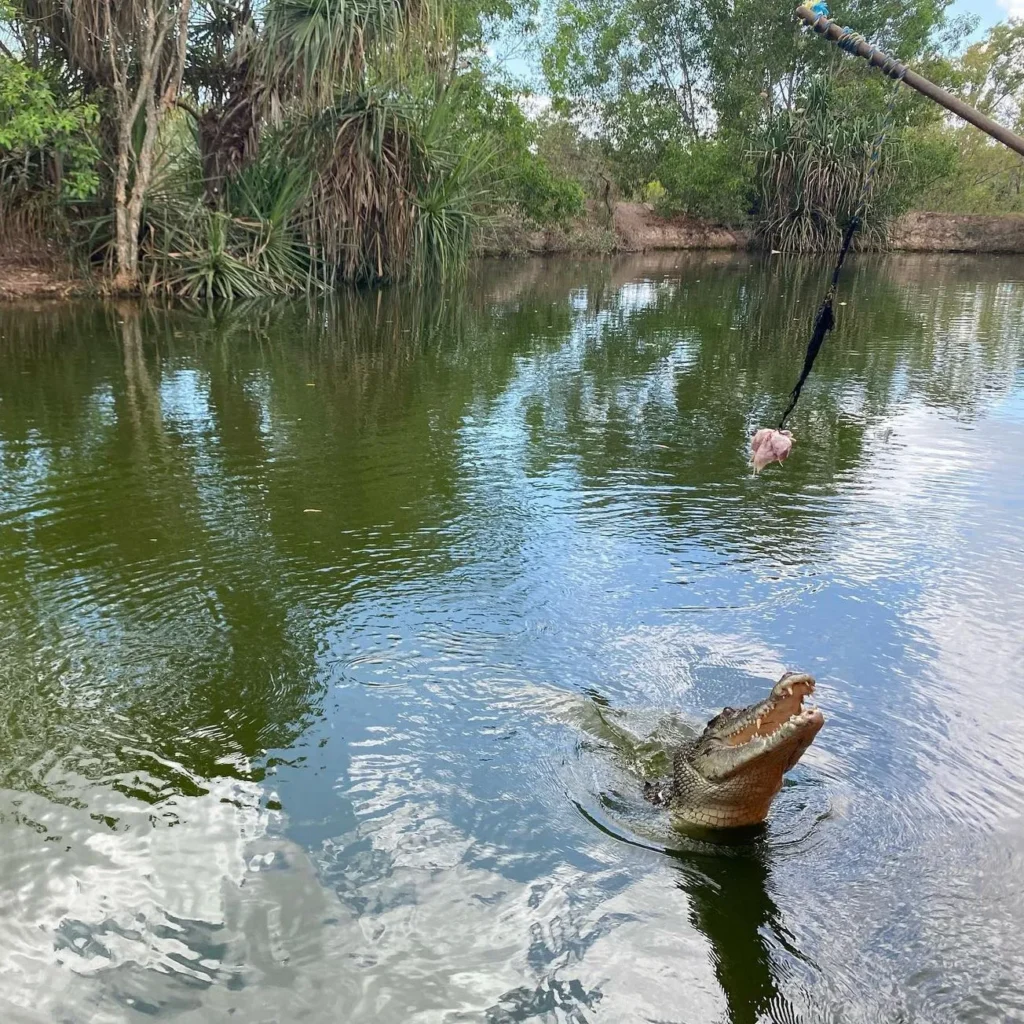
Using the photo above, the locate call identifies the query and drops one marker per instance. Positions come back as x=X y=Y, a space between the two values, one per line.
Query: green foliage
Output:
x=527 y=172
x=366 y=140
x=48 y=153
x=316 y=48
x=979 y=175
x=389 y=193
x=252 y=247
x=569 y=154
x=985 y=178
x=678 y=91
x=707 y=178
x=990 y=75
x=654 y=193
x=366 y=190
x=811 y=166
x=543 y=196
x=354 y=98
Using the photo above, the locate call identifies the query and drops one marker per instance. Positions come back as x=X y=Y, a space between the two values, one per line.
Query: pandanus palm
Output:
x=344 y=91
x=812 y=161
x=346 y=95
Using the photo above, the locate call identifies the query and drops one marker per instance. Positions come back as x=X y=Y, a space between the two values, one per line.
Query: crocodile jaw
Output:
x=730 y=775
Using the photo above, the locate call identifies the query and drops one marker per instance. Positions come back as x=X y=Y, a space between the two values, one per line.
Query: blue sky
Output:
x=990 y=11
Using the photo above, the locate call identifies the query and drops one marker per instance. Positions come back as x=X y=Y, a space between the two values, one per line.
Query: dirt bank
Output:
x=27 y=273
x=636 y=228
x=639 y=228
x=633 y=227
x=957 y=232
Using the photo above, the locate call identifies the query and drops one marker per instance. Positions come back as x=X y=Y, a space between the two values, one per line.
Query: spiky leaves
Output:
x=252 y=246
x=811 y=166
x=312 y=50
x=388 y=196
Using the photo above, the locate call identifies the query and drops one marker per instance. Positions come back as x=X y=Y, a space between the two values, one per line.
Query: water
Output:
x=306 y=613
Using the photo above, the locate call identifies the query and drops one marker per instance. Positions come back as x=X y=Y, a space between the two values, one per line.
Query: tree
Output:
x=986 y=177
x=134 y=51
x=47 y=146
x=146 y=45
x=715 y=102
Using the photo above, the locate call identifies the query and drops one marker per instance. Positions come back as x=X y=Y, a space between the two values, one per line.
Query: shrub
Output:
x=705 y=178
x=543 y=196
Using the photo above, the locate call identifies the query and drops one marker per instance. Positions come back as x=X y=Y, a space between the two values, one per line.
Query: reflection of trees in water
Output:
x=146 y=651
x=551 y=999
x=562 y=941
x=155 y=464
x=660 y=382
x=729 y=904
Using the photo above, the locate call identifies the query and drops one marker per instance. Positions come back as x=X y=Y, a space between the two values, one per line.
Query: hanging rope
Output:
x=825 y=319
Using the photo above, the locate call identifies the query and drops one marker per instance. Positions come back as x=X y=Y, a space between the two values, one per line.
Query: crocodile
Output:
x=729 y=775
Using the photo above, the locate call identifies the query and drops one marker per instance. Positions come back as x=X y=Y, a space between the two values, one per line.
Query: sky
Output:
x=990 y=11
x=987 y=11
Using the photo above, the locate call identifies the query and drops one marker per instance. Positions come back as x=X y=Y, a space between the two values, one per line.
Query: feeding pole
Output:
x=856 y=44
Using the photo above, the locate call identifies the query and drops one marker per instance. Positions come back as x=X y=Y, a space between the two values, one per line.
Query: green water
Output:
x=304 y=612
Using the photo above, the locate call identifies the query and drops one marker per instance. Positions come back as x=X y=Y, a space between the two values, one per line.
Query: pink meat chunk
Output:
x=770 y=446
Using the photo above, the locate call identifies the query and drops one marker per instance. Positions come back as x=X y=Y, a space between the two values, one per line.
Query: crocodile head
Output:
x=730 y=774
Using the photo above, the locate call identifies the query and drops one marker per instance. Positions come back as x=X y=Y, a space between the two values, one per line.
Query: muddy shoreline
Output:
x=633 y=227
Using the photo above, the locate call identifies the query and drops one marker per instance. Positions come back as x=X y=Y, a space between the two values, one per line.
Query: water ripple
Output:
x=297 y=681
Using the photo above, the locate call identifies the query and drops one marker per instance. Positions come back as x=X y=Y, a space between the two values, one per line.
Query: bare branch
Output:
x=177 y=69
x=183 y=104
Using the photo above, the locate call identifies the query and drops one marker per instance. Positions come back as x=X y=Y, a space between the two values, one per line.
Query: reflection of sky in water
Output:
x=416 y=854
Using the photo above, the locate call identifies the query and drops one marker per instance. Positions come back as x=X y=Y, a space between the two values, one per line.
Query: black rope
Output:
x=823 y=322
x=825 y=319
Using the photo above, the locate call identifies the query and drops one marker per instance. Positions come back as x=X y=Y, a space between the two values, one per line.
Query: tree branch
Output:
x=184 y=104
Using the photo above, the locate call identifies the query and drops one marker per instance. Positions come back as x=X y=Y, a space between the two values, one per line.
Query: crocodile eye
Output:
x=722 y=716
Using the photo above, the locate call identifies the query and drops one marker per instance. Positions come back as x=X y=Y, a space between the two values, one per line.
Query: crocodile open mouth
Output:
x=782 y=713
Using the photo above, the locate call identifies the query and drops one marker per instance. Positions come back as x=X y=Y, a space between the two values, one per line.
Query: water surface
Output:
x=306 y=612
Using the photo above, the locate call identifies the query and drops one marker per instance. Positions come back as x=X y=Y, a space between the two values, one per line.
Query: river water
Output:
x=306 y=609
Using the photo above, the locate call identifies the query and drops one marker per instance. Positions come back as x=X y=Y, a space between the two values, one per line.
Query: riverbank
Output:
x=30 y=274
x=632 y=227
x=635 y=227
x=27 y=278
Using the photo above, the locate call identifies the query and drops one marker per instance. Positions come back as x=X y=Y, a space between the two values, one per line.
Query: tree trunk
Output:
x=228 y=140
x=126 y=250
x=160 y=69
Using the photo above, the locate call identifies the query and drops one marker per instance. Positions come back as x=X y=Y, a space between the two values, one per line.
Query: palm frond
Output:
x=812 y=163
x=317 y=48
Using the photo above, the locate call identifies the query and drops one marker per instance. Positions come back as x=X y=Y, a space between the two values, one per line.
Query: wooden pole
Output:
x=894 y=69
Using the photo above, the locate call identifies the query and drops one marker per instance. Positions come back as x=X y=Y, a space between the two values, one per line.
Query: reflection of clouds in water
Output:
x=964 y=600
x=912 y=458
x=445 y=941
x=638 y=295
x=972 y=617
x=146 y=893
x=942 y=870
x=185 y=402
x=403 y=919
x=430 y=937
x=679 y=648
x=570 y=390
